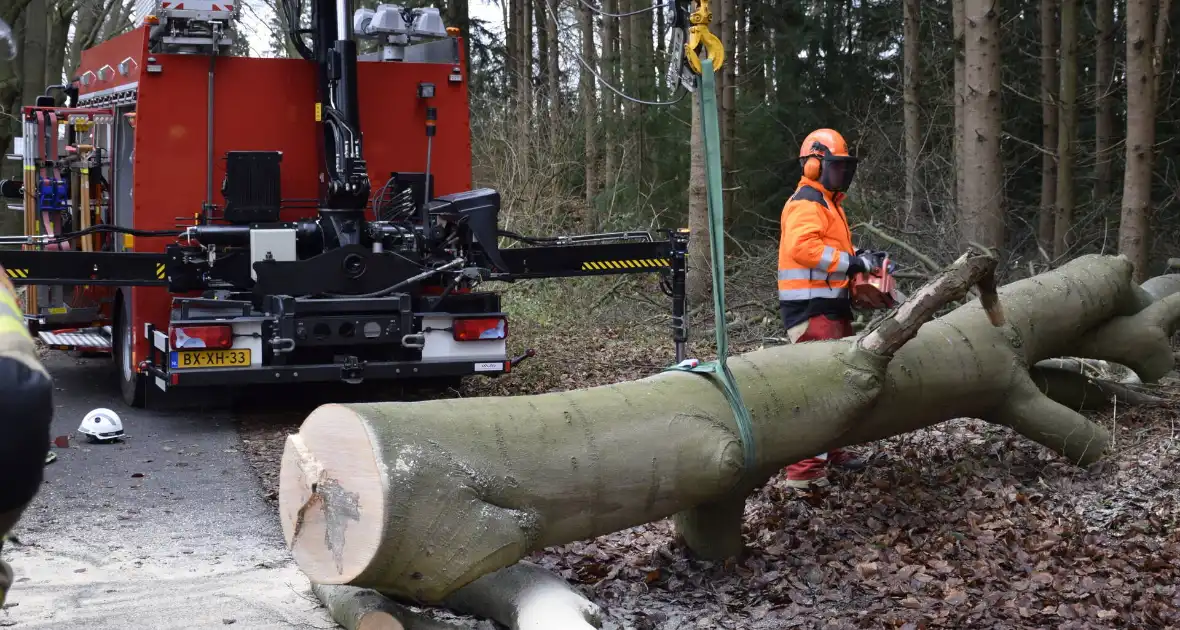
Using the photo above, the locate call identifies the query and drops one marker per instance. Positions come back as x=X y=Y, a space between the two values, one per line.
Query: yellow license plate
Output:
x=194 y=359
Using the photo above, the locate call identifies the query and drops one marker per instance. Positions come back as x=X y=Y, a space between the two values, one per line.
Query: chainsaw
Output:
x=875 y=289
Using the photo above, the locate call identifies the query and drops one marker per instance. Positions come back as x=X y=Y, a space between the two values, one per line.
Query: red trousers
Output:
x=819 y=328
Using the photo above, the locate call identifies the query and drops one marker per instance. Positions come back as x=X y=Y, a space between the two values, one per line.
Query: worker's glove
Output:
x=863 y=263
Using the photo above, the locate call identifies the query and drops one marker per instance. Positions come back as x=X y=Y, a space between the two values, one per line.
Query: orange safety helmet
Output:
x=825 y=159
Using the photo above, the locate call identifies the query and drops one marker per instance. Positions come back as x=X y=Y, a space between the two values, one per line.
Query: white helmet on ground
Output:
x=101 y=425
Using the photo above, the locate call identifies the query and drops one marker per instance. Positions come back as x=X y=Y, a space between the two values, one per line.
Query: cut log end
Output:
x=331 y=500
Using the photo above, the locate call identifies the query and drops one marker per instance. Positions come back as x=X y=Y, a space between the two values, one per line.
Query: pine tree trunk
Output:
x=1160 y=40
x=981 y=202
x=1104 y=94
x=1067 y=129
x=912 y=113
x=1140 y=135
x=1049 y=124
x=698 y=281
x=589 y=114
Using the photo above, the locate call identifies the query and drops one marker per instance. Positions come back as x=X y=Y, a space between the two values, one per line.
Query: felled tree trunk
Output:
x=419 y=499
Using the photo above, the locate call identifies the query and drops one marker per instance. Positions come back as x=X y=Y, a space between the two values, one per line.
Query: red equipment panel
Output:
x=265 y=104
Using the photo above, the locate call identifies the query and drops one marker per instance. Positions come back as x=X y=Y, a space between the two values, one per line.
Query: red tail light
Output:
x=477 y=328
x=187 y=337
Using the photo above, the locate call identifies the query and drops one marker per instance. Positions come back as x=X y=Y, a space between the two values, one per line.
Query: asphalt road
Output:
x=167 y=529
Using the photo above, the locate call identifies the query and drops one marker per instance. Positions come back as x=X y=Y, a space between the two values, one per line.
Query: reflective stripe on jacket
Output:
x=815 y=245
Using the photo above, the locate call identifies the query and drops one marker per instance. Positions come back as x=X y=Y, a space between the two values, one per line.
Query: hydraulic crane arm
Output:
x=345 y=187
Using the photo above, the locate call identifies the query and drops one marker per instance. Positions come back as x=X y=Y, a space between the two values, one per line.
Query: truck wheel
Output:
x=131 y=383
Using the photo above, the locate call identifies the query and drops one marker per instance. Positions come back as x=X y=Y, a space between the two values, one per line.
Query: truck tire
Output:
x=131 y=383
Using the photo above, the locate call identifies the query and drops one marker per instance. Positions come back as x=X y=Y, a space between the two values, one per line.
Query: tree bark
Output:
x=545 y=97
x=981 y=202
x=912 y=113
x=1160 y=40
x=419 y=499
x=728 y=102
x=957 y=98
x=1049 y=36
x=60 y=17
x=1104 y=95
x=522 y=596
x=1140 y=135
x=365 y=609
x=1067 y=129
x=33 y=51
x=698 y=280
x=609 y=72
x=589 y=113
x=554 y=59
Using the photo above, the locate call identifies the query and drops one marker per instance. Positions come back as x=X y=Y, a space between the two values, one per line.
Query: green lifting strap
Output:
x=719 y=369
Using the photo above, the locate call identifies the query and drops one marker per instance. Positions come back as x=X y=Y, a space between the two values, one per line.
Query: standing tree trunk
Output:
x=698 y=281
x=544 y=97
x=1104 y=95
x=981 y=202
x=60 y=17
x=957 y=98
x=524 y=109
x=589 y=113
x=1067 y=130
x=554 y=59
x=912 y=113
x=33 y=51
x=1160 y=45
x=728 y=109
x=1049 y=124
x=609 y=72
x=1140 y=135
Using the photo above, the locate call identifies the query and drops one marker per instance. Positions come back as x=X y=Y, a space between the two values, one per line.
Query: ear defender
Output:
x=811 y=168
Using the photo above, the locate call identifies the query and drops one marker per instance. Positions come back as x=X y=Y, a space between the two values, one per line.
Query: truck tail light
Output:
x=477 y=328
x=185 y=337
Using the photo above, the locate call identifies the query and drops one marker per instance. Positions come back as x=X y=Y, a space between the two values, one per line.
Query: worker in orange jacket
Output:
x=815 y=260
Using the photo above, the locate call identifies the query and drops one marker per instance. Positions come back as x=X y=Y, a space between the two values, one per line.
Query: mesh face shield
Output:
x=838 y=172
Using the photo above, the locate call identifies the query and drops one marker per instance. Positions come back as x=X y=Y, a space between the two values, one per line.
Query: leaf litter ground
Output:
x=959 y=525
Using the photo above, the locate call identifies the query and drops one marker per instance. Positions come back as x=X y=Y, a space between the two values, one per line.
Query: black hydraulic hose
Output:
x=112 y=228
x=532 y=240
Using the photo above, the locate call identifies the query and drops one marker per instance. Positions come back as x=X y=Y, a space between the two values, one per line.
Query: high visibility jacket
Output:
x=815 y=246
x=26 y=390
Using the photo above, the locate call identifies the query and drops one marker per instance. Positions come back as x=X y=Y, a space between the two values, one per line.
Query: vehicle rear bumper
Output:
x=331 y=372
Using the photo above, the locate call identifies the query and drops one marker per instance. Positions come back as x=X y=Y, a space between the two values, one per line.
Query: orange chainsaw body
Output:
x=874 y=290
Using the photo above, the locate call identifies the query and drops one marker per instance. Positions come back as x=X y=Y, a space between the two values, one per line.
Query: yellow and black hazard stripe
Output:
x=18 y=273
x=634 y=263
x=160 y=272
